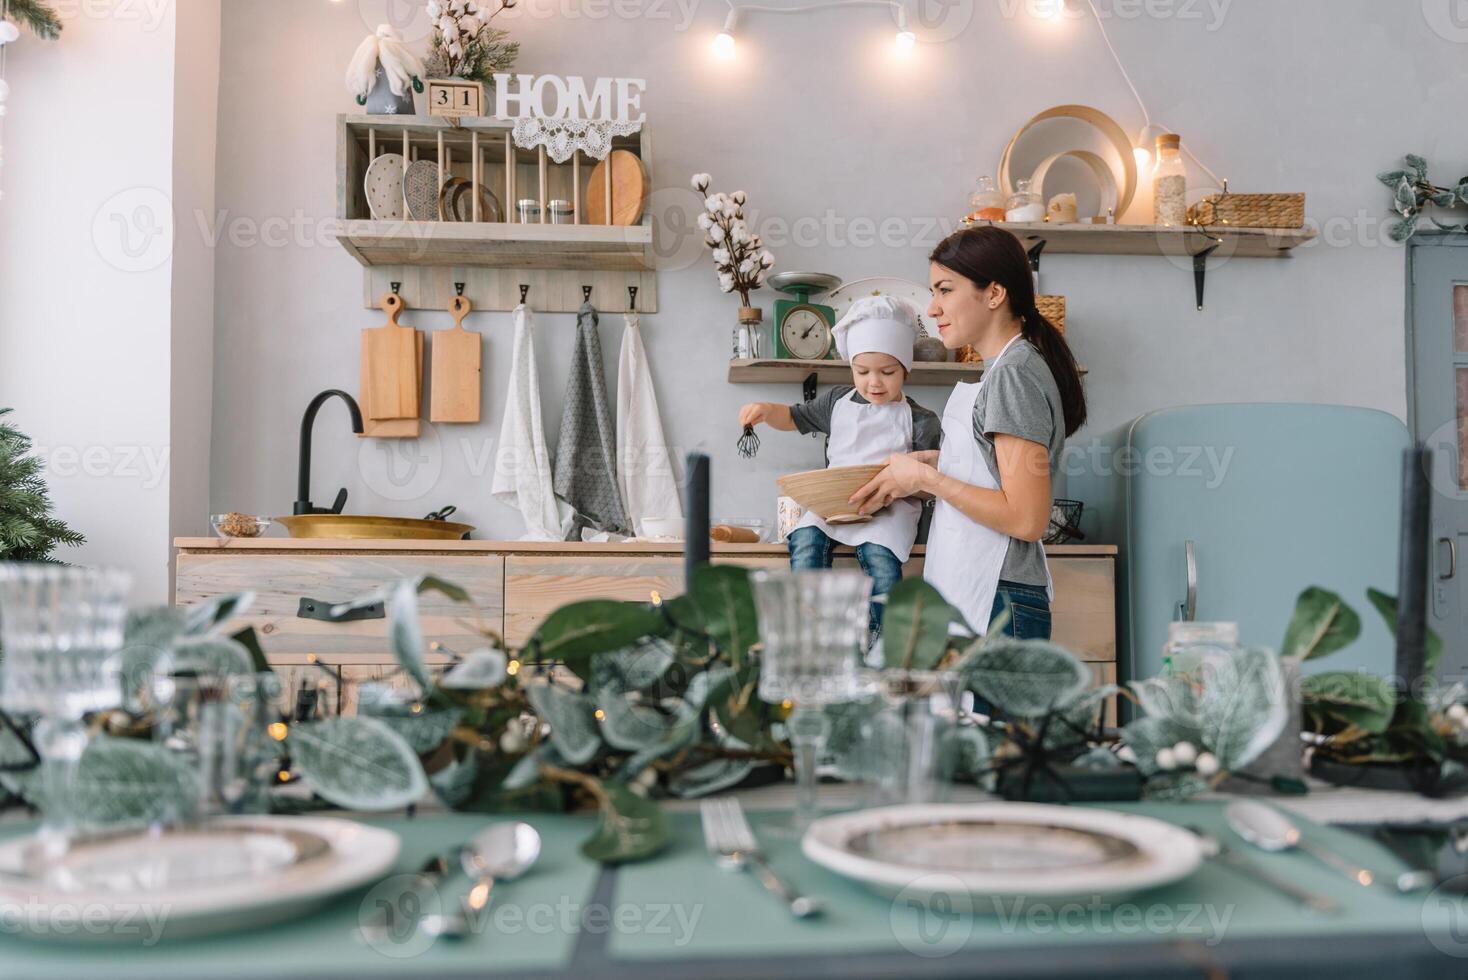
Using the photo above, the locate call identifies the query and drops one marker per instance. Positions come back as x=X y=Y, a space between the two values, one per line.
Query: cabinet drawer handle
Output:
x=1452 y=544
x=321 y=609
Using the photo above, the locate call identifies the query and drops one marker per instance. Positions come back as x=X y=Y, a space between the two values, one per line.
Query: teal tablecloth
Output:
x=679 y=915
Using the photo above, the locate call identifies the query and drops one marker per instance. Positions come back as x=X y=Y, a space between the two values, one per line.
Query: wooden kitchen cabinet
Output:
x=517 y=584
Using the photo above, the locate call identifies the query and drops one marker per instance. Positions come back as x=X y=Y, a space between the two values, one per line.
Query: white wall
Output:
x=816 y=119
x=85 y=275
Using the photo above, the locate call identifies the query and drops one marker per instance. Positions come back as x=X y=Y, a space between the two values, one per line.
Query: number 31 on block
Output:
x=455 y=99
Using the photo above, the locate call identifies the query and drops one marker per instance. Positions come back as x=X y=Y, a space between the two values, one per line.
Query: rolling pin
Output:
x=728 y=533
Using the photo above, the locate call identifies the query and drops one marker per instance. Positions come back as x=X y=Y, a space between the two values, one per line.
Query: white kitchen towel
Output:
x=644 y=460
x=522 y=464
x=586 y=453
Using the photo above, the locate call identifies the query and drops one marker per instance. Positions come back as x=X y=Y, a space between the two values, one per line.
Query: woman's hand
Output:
x=905 y=475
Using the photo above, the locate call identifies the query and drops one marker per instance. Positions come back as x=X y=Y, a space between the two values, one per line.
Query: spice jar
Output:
x=1169 y=183
x=1025 y=203
x=529 y=210
x=562 y=213
x=986 y=203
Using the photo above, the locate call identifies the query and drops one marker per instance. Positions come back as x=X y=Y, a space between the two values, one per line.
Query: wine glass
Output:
x=812 y=625
x=61 y=629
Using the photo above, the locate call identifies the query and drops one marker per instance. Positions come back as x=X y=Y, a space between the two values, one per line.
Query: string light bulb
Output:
x=724 y=40
x=905 y=38
x=1146 y=140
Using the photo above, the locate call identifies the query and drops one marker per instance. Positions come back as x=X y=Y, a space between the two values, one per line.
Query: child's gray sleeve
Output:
x=815 y=415
x=927 y=429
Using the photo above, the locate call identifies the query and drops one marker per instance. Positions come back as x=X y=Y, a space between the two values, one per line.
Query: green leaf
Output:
x=1417 y=165
x=576 y=632
x=631 y=727
x=1074 y=722
x=203 y=616
x=634 y=669
x=424 y=730
x=1406 y=195
x=725 y=603
x=454 y=784
x=357 y=763
x=208 y=656
x=1445 y=199
x=1462 y=190
x=1391 y=178
x=915 y=625
x=737 y=705
x=1175 y=787
x=23 y=782
x=713 y=776
x=1027 y=678
x=631 y=828
x=573 y=728
x=405 y=634
x=1171 y=697
x=1244 y=706
x=125 y=781
x=974 y=755
x=1363 y=700
x=1322 y=624
x=251 y=642
x=1402 y=230
x=1387 y=606
x=480 y=670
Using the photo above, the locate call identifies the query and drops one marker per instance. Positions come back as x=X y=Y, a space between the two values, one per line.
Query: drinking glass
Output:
x=61 y=630
x=910 y=744
x=812 y=624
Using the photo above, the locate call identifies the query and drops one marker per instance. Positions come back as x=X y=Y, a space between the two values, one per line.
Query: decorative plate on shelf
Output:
x=843 y=296
x=226 y=875
x=384 y=187
x=456 y=202
x=420 y=190
x=997 y=852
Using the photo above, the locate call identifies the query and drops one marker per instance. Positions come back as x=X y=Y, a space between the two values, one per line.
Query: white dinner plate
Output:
x=383 y=186
x=232 y=874
x=1001 y=852
x=841 y=298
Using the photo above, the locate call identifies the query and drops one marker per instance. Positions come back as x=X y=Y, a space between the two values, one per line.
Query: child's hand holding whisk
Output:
x=773 y=414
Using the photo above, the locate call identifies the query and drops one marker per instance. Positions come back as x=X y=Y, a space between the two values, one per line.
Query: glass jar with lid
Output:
x=562 y=213
x=1024 y=203
x=528 y=209
x=1169 y=183
x=1195 y=650
x=986 y=203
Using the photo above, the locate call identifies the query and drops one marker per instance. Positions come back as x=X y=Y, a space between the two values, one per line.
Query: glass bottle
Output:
x=1169 y=183
x=1025 y=203
x=986 y=203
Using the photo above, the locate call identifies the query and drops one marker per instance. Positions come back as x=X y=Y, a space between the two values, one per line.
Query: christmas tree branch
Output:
x=37 y=15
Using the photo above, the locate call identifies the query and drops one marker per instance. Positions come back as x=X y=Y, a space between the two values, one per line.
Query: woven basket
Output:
x=1051 y=308
x=1250 y=210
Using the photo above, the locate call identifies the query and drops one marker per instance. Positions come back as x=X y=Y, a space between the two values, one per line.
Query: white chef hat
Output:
x=878 y=324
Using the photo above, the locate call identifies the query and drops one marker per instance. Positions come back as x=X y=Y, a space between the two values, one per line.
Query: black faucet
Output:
x=303 y=469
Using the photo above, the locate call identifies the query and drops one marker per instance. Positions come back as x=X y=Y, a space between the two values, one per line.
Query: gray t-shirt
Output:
x=1020 y=398
x=815 y=416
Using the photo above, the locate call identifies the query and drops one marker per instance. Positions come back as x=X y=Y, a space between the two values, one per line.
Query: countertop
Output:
x=273 y=544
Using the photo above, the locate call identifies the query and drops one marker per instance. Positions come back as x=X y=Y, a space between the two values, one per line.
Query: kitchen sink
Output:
x=358 y=526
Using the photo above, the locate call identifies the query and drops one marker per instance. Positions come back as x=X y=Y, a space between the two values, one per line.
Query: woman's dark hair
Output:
x=988 y=255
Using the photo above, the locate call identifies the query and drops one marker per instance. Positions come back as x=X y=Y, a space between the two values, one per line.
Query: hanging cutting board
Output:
x=456 y=370
x=392 y=365
x=391 y=428
x=629 y=190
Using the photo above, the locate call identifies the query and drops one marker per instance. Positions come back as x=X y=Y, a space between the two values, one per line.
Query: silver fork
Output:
x=732 y=844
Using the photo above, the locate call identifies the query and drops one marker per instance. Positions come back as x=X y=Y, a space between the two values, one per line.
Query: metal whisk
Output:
x=748 y=443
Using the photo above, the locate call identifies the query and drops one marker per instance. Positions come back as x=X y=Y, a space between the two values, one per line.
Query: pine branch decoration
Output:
x=491 y=51
x=28 y=531
x=38 y=16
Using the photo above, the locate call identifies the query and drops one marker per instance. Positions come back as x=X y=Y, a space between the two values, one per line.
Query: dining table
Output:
x=679 y=914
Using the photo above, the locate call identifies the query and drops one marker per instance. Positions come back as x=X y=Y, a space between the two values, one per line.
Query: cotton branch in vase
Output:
x=739 y=258
x=464 y=45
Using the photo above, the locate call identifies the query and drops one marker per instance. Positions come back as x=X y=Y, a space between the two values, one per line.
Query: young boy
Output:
x=864 y=422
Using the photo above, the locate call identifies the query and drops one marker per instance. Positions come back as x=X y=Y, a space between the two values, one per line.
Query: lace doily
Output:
x=562 y=137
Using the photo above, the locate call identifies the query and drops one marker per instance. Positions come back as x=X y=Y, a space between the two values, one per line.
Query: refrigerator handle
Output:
x=1452 y=544
x=1190 y=606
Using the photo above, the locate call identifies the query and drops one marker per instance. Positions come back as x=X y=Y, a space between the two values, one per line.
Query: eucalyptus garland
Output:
x=1412 y=192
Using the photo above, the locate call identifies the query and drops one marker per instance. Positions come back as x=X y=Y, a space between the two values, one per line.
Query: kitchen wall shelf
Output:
x=775 y=371
x=491 y=258
x=1272 y=243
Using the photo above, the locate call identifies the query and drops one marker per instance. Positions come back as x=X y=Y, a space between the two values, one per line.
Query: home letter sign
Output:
x=553 y=97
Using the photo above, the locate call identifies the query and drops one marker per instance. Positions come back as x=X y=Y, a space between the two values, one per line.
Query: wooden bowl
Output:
x=826 y=491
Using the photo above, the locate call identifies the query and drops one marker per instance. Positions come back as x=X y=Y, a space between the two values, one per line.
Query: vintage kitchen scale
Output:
x=803 y=329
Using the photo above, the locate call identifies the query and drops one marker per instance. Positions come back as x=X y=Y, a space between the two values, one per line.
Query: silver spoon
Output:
x=499 y=852
x=1215 y=848
x=1270 y=830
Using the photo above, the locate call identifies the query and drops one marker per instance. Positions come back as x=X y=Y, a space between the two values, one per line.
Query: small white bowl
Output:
x=665 y=528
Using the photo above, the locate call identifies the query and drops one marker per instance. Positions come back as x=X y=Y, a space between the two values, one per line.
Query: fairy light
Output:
x=512 y=668
x=724 y=45
x=278 y=730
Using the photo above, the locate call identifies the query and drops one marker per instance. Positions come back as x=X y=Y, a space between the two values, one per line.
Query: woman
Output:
x=1002 y=437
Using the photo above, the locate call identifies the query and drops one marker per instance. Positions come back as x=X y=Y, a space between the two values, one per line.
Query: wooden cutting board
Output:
x=393 y=365
x=629 y=190
x=457 y=355
x=391 y=428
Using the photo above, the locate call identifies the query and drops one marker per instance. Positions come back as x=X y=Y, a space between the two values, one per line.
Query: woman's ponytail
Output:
x=987 y=255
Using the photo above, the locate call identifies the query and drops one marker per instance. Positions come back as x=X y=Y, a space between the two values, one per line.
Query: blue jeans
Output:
x=810 y=547
x=1029 y=610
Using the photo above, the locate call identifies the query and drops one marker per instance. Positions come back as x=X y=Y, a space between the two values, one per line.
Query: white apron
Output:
x=863 y=434
x=964 y=557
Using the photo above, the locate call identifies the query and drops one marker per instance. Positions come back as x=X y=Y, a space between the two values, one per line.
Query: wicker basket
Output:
x=1250 y=210
x=1051 y=308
